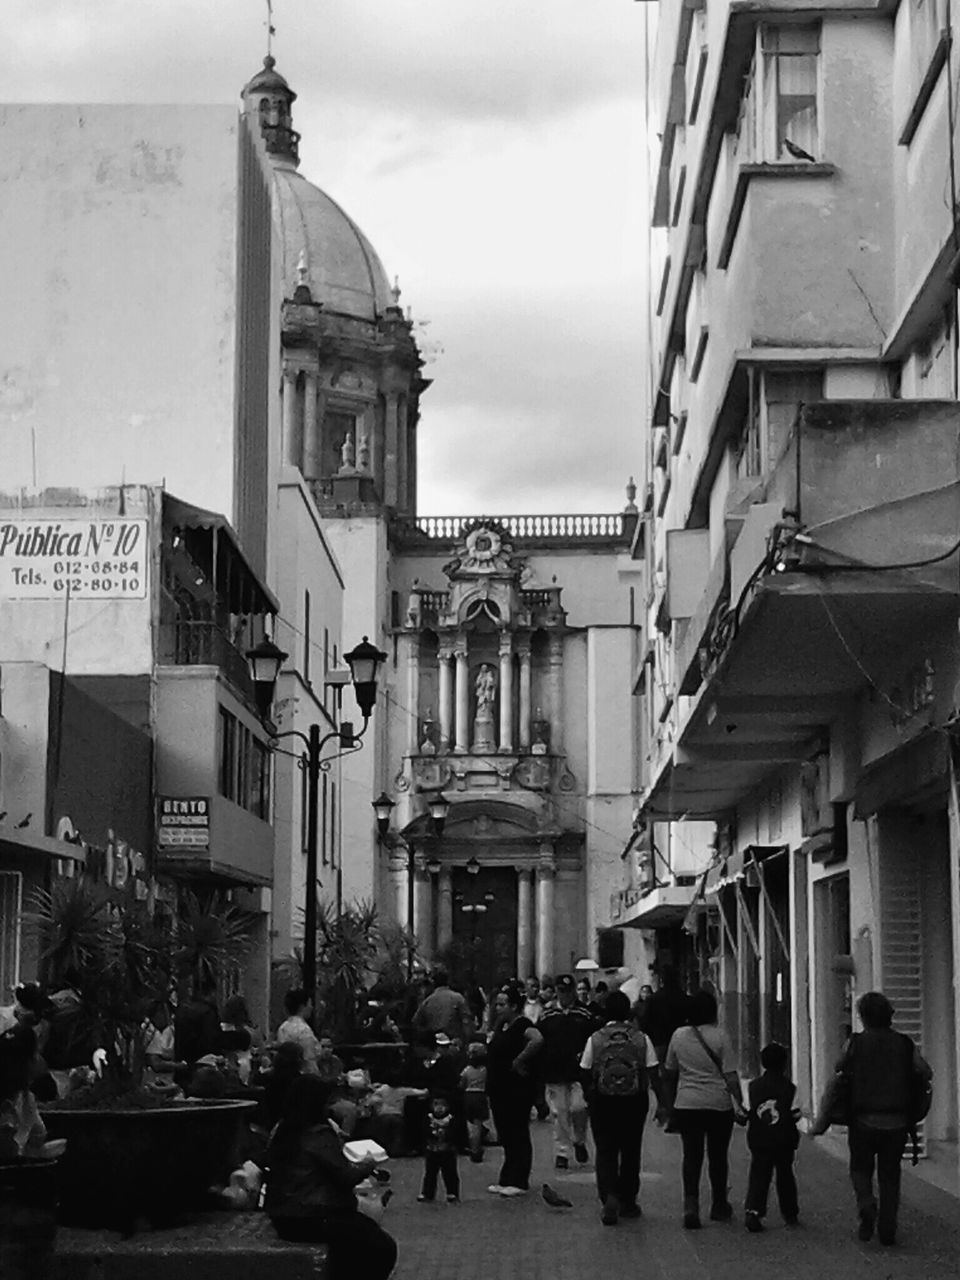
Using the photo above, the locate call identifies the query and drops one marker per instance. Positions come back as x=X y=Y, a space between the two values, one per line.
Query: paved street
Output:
x=486 y=1238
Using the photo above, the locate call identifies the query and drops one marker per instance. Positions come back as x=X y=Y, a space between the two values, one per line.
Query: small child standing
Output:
x=440 y=1152
x=772 y=1137
x=476 y=1109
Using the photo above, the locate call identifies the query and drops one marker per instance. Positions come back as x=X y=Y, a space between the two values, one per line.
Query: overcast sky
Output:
x=492 y=152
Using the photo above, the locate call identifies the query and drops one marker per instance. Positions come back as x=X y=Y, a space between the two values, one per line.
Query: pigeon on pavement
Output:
x=555 y=1201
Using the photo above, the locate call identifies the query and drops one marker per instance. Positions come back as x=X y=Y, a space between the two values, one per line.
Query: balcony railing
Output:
x=203 y=644
x=594 y=529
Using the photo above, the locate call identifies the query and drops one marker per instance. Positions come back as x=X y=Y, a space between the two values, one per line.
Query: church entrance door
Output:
x=484 y=948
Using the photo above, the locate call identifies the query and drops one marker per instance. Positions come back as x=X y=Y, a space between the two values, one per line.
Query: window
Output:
x=698 y=85
x=333 y=824
x=779 y=115
x=610 y=948
x=773 y=399
x=791 y=60
x=243 y=766
x=322 y=820
x=678 y=199
x=306 y=636
x=11 y=895
x=227 y=752
x=259 y=790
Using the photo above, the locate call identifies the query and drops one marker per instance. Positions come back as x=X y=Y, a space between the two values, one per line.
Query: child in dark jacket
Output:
x=440 y=1152
x=772 y=1137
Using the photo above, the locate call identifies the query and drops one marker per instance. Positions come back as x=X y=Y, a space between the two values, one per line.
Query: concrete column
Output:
x=291 y=434
x=545 y=910
x=506 y=692
x=423 y=907
x=462 y=742
x=555 y=684
x=310 y=465
x=524 y=922
x=446 y=699
x=444 y=908
x=411 y=642
x=524 y=654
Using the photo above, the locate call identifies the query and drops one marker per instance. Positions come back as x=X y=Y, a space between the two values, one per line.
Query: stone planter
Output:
x=123 y=1165
x=28 y=1218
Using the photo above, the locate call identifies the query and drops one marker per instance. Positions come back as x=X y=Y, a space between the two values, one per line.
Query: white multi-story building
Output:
x=800 y=533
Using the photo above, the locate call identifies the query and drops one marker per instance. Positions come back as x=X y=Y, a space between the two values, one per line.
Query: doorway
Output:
x=484 y=948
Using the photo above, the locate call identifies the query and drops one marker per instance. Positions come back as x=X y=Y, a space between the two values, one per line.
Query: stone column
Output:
x=398 y=876
x=555 y=685
x=462 y=742
x=291 y=434
x=445 y=709
x=506 y=692
x=390 y=452
x=524 y=922
x=411 y=642
x=423 y=906
x=523 y=652
x=545 y=908
x=310 y=466
x=444 y=908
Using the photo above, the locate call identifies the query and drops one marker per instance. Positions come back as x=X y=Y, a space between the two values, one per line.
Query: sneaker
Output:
x=453 y=1199
x=691 y=1220
x=494 y=1188
x=611 y=1211
x=581 y=1152
x=868 y=1220
x=753 y=1222
x=561 y=1162
x=513 y=1191
x=422 y=1199
x=631 y=1211
x=721 y=1212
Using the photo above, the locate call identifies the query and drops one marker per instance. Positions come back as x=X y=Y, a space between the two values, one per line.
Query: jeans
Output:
x=511 y=1115
x=617 y=1125
x=440 y=1162
x=699 y=1128
x=357 y=1245
x=568 y=1110
x=763 y=1166
x=882 y=1148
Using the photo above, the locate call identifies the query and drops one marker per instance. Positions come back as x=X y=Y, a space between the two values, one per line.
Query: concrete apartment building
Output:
x=800 y=532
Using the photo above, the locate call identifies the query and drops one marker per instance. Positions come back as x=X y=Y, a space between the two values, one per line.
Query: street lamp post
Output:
x=364 y=661
x=438 y=806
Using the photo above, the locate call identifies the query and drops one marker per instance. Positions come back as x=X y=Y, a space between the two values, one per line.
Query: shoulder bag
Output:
x=739 y=1114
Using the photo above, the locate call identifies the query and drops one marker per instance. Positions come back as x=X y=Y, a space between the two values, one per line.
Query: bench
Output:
x=211 y=1246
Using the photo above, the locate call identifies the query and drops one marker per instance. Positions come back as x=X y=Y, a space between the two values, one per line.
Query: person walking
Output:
x=706 y=1098
x=310 y=1196
x=511 y=1052
x=296 y=1027
x=566 y=1028
x=772 y=1137
x=664 y=1011
x=884 y=1073
x=621 y=1067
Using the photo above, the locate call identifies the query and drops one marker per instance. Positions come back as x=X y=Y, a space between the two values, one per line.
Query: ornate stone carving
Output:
x=533 y=774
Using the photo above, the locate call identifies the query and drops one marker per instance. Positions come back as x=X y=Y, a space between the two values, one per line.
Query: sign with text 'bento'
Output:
x=85 y=559
x=184 y=822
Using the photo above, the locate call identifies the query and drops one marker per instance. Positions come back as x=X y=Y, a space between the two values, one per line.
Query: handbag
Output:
x=739 y=1114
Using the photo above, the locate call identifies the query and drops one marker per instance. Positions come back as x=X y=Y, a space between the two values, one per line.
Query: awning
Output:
x=217 y=546
x=916 y=771
x=27 y=842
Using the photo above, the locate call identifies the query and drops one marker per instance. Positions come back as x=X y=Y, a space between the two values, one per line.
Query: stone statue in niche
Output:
x=363 y=452
x=485 y=688
x=348 y=455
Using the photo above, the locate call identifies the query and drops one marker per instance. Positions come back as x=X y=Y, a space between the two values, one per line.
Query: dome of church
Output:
x=342 y=267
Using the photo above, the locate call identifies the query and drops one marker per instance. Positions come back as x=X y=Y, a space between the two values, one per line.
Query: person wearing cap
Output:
x=566 y=1027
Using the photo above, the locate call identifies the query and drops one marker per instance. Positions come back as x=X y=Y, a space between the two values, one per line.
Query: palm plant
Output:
x=347 y=941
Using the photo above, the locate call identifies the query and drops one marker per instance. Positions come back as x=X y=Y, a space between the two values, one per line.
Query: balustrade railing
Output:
x=592 y=528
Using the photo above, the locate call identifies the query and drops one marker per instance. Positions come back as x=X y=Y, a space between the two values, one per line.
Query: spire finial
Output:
x=631 y=494
x=271 y=32
x=396 y=291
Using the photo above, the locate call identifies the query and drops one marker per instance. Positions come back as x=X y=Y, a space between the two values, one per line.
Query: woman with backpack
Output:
x=620 y=1067
x=707 y=1098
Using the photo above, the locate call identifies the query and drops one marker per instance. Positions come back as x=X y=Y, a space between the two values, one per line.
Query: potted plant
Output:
x=132 y=1150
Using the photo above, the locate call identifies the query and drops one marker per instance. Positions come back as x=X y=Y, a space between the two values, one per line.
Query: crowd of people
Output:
x=474 y=1073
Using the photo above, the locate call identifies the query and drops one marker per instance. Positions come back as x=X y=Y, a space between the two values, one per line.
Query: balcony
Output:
x=204 y=644
x=814 y=619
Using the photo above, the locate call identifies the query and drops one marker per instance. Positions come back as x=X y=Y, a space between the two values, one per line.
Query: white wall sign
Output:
x=89 y=559
x=184 y=822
